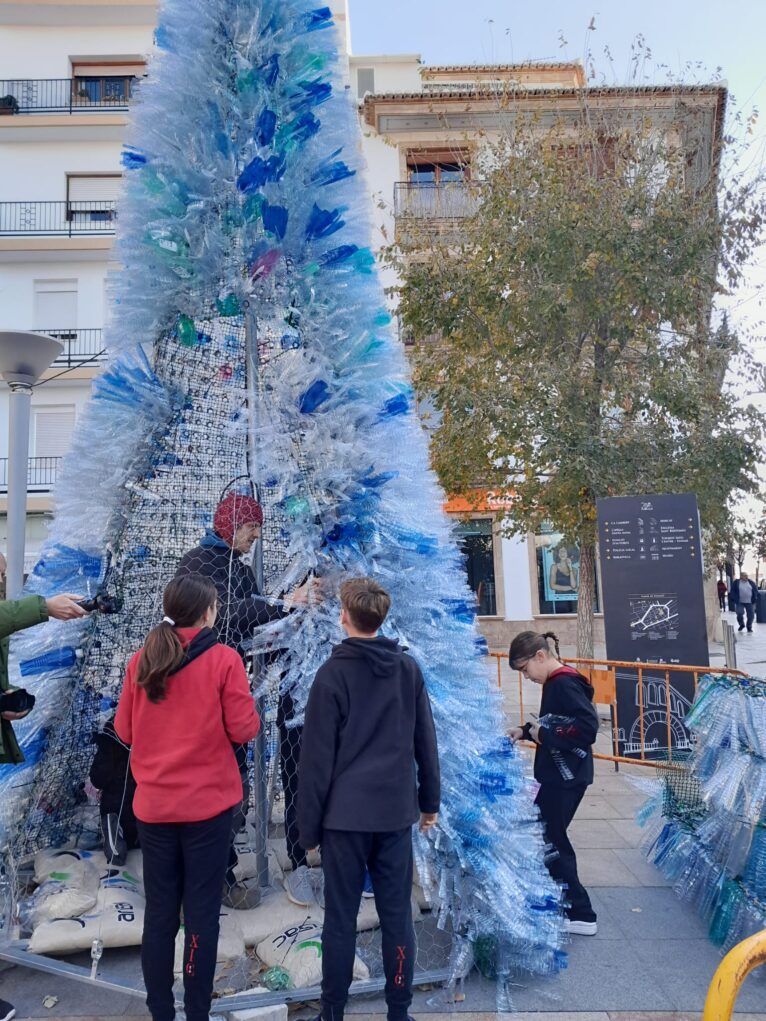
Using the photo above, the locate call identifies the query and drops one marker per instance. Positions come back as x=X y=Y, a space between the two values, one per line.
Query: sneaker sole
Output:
x=582 y=928
x=11 y=1014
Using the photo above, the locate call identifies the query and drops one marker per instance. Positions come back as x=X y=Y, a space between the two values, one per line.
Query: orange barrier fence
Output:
x=602 y=674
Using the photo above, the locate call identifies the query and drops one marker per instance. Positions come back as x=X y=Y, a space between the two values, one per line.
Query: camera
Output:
x=102 y=602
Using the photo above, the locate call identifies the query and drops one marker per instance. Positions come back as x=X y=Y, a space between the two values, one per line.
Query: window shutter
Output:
x=53 y=430
x=55 y=304
x=97 y=188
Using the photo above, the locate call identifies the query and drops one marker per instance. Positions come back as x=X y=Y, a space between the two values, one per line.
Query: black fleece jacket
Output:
x=241 y=607
x=568 y=727
x=368 y=726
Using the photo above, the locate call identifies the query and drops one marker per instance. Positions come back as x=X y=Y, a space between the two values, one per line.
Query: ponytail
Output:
x=186 y=600
x=527 y=644
x=160 y=656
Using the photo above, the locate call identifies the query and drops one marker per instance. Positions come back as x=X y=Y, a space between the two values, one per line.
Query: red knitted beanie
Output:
x=234 y=510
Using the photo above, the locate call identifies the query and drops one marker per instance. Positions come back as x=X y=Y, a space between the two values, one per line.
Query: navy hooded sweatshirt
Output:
x=369 y=760
x=568 y=728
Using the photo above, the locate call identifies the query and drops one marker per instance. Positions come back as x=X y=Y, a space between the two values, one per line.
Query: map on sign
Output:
x=653 y=617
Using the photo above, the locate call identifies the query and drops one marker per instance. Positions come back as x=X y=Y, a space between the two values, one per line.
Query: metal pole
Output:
x=18 y=467
x=259 y=752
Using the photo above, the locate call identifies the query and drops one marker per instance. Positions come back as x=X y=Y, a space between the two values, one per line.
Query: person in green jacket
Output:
x=16 y=615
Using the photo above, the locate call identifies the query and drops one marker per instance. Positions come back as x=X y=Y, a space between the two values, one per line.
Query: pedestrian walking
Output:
x=369 y=770
x=186 y=700
x=564 y=735
x=744 y=595
x=722 y=593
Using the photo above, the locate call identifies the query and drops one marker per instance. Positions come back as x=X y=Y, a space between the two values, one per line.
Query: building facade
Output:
x=70 y=70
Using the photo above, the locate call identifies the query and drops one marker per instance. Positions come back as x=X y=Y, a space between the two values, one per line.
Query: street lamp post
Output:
x=24 y=357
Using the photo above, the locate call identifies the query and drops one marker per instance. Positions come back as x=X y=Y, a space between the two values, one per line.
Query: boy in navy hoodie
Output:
x=369 y=771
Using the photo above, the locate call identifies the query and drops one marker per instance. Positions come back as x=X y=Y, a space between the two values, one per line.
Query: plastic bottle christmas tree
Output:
x=269 y=354
x=710 y=838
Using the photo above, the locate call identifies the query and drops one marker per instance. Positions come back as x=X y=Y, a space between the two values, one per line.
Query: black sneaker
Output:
x=7 y=1010
x=741 y=627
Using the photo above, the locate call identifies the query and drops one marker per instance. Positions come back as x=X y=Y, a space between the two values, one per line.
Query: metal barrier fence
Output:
x=41 y=474
x=80 y=345
x=84 y=216
x=66 y=95
x=602 y=674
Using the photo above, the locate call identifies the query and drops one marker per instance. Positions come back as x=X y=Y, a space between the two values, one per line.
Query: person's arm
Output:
x=426 y=752
x=18 y=614
x=240 y=720
x=319 y=745
x=574 y=725
x=123 y=718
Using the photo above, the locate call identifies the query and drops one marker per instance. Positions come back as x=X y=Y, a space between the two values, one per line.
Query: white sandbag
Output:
x=274 y=913
x=231 y=945
x=78 y=869
x=419 y=897
x=118 y=921
x=277 y=846
x=298 y=950
x=58 y=900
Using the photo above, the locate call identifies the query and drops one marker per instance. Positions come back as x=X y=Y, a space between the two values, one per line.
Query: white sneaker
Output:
x=298 y=887
x=578 y=928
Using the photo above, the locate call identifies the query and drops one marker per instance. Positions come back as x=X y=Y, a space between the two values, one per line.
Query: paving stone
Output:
x=627 y=830
x=596 y=833
x=596 y=806
x=600 y=867
x=634 y=859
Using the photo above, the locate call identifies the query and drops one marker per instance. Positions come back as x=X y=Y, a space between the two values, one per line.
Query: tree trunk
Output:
x=586 y=590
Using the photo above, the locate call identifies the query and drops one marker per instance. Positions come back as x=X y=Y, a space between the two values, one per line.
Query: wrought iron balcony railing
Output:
x=79 y=345
x=65 y=219
x=446 y=200
x=41 y=474
x=66 y=95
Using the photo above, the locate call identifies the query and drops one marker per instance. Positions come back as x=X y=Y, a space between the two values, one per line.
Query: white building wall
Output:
x=31 y=51
x=517 y=582
x=17 y=298
x=57 y=393
x=38 y=170
x=392 y=74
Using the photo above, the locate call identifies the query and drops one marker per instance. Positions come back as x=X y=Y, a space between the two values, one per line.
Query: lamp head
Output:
x=24 y=357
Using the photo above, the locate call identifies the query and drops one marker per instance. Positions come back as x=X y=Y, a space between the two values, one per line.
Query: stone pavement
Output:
x=651 y=960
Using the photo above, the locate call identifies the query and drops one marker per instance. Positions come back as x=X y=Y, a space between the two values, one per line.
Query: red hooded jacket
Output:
x=181 y=748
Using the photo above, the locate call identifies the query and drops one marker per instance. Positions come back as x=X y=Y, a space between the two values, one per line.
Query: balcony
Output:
x=80 y=346
x=66 y=95
x=446 y=200
x=58 y=219
x=41 y=474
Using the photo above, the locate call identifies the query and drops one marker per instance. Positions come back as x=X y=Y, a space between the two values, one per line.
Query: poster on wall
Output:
x=654 y=613
x=561 y=571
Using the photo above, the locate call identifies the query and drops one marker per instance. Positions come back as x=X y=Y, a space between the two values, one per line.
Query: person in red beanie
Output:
x=237 y=523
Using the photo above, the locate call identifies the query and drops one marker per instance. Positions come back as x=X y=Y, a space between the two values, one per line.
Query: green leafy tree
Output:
x=575 y=353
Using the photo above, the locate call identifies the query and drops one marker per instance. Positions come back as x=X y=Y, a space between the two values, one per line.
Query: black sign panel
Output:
x=654 y=613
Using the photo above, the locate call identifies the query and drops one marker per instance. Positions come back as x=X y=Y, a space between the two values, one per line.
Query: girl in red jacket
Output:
x=185 y=701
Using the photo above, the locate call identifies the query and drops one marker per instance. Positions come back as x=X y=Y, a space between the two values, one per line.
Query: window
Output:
x=102 y=85
x=438 y=167
x=53 y=430
x=55 y=306
x=558 y=573
x=365 y=80
x=92 y=197
x=475 y=539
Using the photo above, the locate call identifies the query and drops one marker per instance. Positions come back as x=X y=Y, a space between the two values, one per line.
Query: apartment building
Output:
x=426 y=129
x=69 y=71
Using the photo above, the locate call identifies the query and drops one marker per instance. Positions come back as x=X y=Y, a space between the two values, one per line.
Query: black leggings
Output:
x=289 y=758
x=184 y=864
